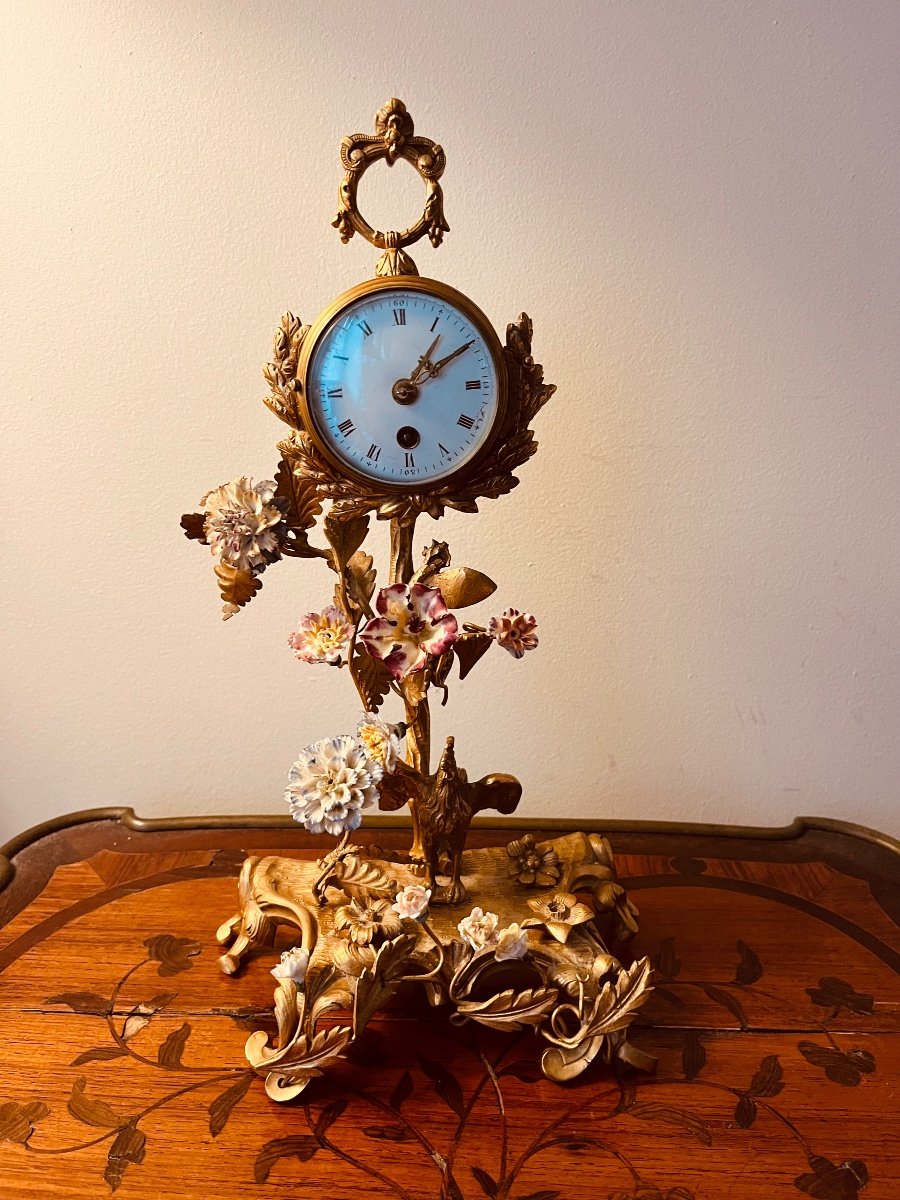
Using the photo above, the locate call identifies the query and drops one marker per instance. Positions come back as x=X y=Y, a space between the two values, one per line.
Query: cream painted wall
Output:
x=696 y=202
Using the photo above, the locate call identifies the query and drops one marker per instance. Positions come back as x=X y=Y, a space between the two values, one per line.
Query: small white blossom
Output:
x=479 y=928
x=512 y=942
x=293 y=965
x=332 y=784
x=380 y=739
x=412 y=902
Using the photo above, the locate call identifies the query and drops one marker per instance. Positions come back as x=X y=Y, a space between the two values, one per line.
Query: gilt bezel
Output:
x=442 y=292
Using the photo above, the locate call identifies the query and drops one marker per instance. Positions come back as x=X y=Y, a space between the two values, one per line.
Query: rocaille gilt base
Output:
x=569 y=987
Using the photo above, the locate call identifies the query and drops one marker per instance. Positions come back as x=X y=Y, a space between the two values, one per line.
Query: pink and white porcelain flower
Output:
x=514 y=631
x=244 y=523
x=412 y=902
x=414 y=624
x=322 y=637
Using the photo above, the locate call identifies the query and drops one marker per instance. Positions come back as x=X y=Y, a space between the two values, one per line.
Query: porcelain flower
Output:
x=412 y=902
x=366 y=921
x=244 y=523
x=559 y=915
x=414 y=624
x=514 y=631
x=512 y=942
x=332 y=784
x=322 y=637
x=479 y=928
x=293 y=965
x=381 y=740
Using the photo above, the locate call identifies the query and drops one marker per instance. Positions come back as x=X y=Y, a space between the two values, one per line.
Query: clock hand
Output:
x=424 y=363
x=405 y=391
x=435 y=368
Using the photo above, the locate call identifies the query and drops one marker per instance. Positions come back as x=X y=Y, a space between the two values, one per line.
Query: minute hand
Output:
x=435 y=368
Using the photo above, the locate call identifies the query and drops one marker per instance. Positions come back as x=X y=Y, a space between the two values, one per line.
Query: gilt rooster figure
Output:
x=442 y=807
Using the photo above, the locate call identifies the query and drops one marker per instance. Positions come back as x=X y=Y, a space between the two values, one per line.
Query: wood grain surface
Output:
x=774 y=1021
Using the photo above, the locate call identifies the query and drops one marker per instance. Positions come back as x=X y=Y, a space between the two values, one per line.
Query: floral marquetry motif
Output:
x=773 y=1022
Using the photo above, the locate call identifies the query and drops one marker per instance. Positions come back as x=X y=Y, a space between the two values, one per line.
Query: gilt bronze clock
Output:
x=402 y=402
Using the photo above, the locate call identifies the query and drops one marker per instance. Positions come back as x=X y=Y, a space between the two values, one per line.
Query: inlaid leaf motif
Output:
x=193 y=526
x=237 y=587
x=727 y=1000
x=328 y=1116
x=84 y=1003
x=665 y=962
x=844 y=1067
x=462 y=586
x=17 y=1121
x=388 y=1133
x=445 y=1084
x=223 y=1106
x=172 y=953
x=837 y=994
x=99 y=1054
x=128 y=1147
x=469 y=648
x=829 y=1182
x=91 y=1111
x=749 y=968
x=526 y=1069
x=545 y=1195
x=301 y=1146
x=170 y=1052
x=402 y=1091
x=768 y=1079
x=672 y=1116
x=745 y=1111
x=486 y=1182
x=669 y=996
x=134 y=1023
x=693 y=1054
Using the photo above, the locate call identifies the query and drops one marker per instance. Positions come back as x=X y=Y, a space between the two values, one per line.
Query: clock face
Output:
x=402 y=386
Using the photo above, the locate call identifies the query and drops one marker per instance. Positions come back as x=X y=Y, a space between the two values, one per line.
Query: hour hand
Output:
x=424 y=364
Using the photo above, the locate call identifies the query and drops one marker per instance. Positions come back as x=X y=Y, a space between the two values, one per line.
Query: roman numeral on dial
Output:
x=473 y=385
x=466 y=422
x=373 y=452
x=408 y=460
x=335 y=393
x=346 y=427
x=443 y=449
x=399 y=316
x=366 y=328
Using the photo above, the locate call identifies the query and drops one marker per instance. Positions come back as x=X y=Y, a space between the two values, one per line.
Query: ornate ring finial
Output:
x=393 y=139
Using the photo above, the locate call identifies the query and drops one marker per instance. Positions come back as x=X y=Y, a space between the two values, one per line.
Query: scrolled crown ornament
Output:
x=400 y=402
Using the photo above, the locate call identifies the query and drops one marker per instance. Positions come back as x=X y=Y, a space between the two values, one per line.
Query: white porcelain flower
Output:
x=414 y=623
x=244 y=523
x=294 y=964
x=380 y=739
x=332 y=783
x=322 y=637
x=479 y=928
x=512 y=942
x=514 y=631
x=412 y=902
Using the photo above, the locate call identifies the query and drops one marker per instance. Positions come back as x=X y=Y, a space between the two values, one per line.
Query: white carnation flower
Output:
x=512 y=942
x=332 y=784
x=412 y=902
x=293 y=965
x=479 y=928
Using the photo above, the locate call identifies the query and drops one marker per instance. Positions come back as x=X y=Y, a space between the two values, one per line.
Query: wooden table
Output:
x=774 y=1020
